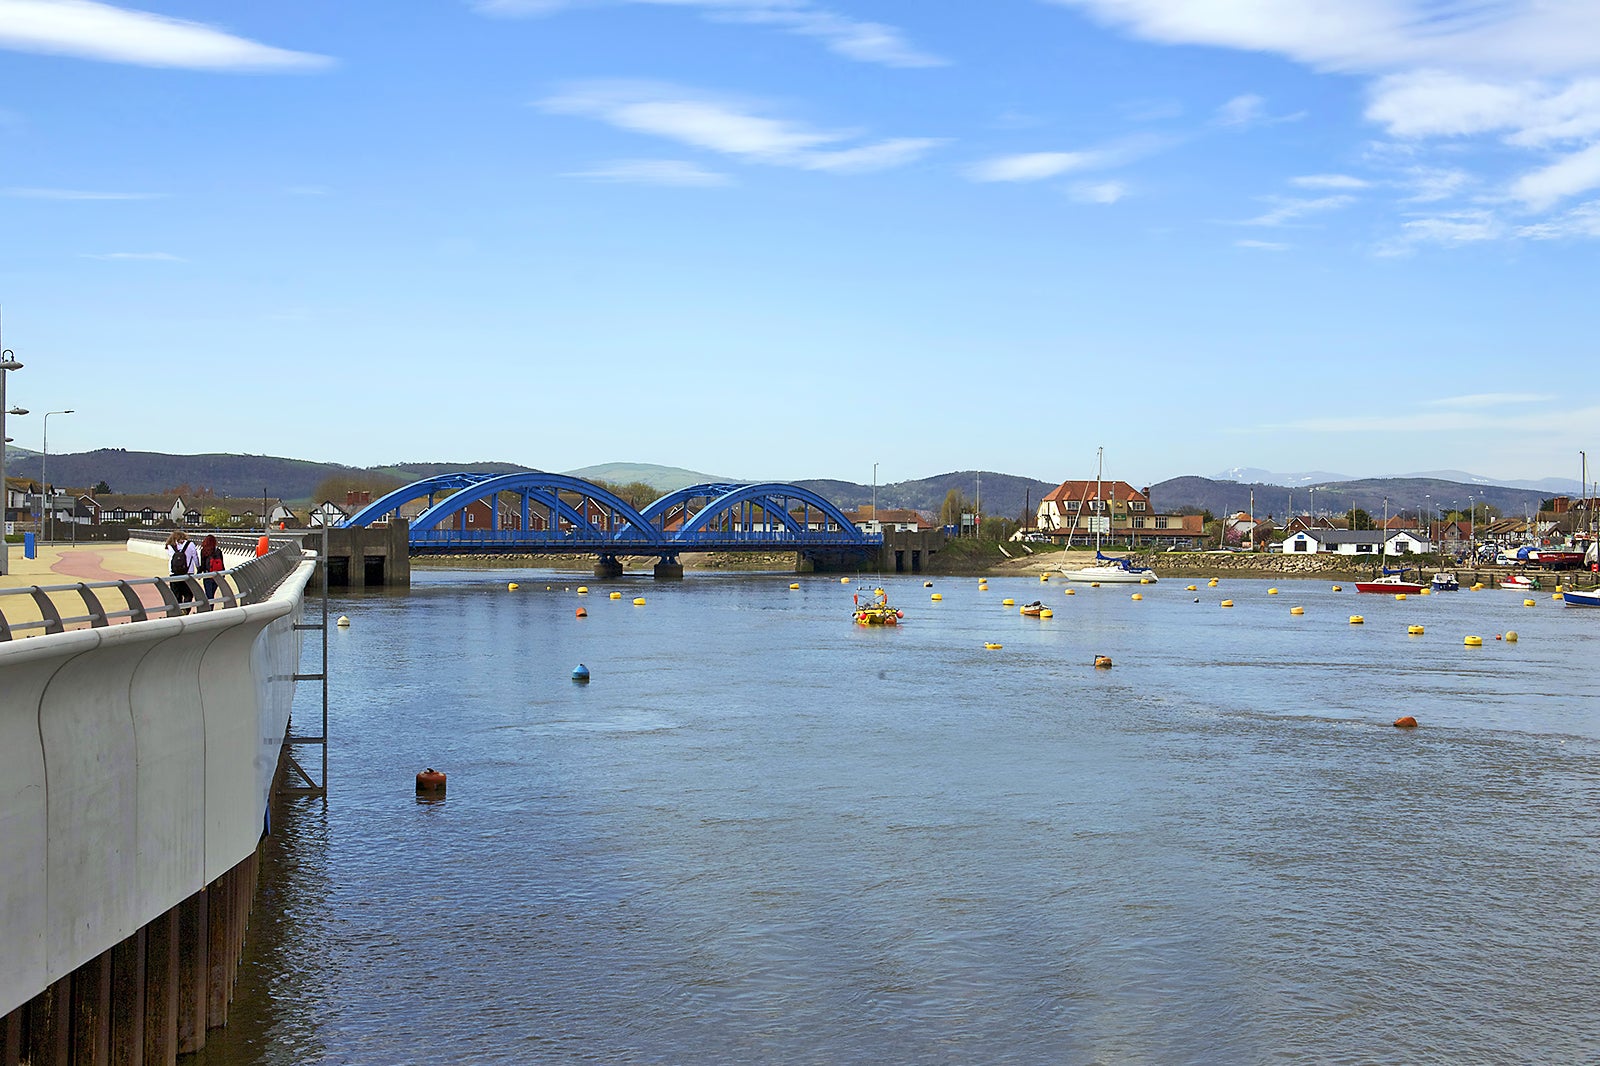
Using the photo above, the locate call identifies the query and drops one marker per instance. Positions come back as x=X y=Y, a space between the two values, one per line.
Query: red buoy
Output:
x=430 y=780
x=582 y=613
x=1407 y=722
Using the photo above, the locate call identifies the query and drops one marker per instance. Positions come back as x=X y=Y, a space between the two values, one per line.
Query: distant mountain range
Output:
x=1009 y=495
x=1251 y=475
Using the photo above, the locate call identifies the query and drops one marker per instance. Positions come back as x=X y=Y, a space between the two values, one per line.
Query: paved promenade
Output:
x=65 y=564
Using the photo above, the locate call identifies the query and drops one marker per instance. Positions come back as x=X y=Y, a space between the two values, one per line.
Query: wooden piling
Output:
x=220 y=962
x=91 y=1012
x=161 y=990
x=49 y=1026
x=192 y=937
x=127 y=1001
x=11 y=1038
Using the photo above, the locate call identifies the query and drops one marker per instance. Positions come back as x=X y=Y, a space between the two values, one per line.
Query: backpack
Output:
x=180 y=559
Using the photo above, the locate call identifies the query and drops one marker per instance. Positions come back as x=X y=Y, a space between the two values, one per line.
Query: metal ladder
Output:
x=296 y=780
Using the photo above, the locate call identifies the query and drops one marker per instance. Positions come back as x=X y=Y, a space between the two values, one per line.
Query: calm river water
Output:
x=763 y=834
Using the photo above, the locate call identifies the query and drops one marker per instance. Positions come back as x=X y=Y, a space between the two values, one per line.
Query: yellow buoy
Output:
x=639 y=602
x=937 y=596
x=1212 y=583
x=1338 y=588
x=1399 y=595
x=844 y=581
x=343 y=622
x=1145 y=581
x=513 y=586
x=1072 y=592
x=1227 y=603
x=1008 y=602
x=1047 y=613
x=1190 y=588
x=1356 y=620
x=1044 y=577
x=1476 y=586
x=616 y=595
x=1425 y=591
x=878 y=592
x=992 y=646
x=1473 y=642
x=1138 y=596
x=1556 y=595
x=1511 y=636
x=1415 y=631
x=1102 y=662
x=583 y=590
x=1297 y=610
x=794 y=584
x=1272 y=592
x=1527 y=603
x=1094 y=584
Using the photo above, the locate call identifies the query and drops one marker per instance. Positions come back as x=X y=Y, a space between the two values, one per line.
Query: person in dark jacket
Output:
x=211 y=562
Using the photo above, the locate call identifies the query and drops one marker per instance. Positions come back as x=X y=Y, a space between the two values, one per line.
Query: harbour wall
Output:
x=137 y=762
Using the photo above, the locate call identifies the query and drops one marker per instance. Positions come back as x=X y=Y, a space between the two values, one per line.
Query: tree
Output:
x=997 y=528
x=1360 y=519
x=216 y=517
x=955 y=505
x=100 y=488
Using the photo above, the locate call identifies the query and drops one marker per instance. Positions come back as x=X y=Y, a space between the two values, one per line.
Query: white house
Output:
x=1355 y=542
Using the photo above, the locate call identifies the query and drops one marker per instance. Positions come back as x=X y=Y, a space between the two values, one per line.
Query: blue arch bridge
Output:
x=535 y=513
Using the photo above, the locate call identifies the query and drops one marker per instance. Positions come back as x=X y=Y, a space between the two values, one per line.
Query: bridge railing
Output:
x=40 y=607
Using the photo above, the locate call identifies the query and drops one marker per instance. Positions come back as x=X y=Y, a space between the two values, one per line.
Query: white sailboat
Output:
x=1108 y=569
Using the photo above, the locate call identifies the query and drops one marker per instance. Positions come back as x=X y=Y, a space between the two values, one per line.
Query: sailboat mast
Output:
x=1099 y=501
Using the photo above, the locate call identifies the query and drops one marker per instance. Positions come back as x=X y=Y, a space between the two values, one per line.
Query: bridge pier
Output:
x=669 y=570
x=608 y=566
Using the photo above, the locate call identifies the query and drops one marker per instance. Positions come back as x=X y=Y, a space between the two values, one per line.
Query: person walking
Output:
x=185 y=560
x=211 y=562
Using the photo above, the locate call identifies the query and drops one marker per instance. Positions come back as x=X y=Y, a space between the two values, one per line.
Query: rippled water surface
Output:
x=763 y=834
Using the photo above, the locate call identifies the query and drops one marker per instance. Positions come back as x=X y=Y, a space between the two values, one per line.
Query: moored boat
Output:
x=1032 y=609
x=1444 y=582
x=1519 y=581
x=1581 y=597
x=1112 y=570
x=1391 y=583
x=876 y=613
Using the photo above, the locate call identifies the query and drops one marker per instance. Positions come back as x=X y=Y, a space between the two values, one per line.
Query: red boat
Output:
x=1390 y=584
x=1556 y=560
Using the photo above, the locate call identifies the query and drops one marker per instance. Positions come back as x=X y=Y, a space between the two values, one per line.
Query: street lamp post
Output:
x=44 y=462
x=874 y=492
x=8 y=363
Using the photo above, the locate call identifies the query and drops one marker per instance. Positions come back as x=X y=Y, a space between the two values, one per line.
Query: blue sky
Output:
x=785 y=239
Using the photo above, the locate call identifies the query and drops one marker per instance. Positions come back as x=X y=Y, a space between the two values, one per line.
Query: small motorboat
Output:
x=1581 y=597
x=1519 y=581
x=1391 y=583
x=1032 y=609
x=877 y=612
x=1444 y=583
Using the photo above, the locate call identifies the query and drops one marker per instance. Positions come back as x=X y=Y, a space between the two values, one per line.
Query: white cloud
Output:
x=1242 y=111
x=867 y=42
x=1262 y=246
x=75 y=194
x=1577 y=173
x=1286 y=210
x=1580 y=221
x=1038 y=166
x=730 y=127
x=1430 y=184
x=1491 y=399
x=156 y=257
x=675 y=172
x=1521 y=71
x=86 y=29
x=1103 y=192
x=1031 y=166
x=1329 y=181
x=1452 y=228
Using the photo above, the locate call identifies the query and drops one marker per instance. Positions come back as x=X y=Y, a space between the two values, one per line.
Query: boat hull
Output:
x=1584 y=598
x=1110 y=575
x=1387 y=586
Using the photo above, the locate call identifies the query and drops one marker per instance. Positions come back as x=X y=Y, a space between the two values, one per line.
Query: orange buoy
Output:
x=263 y=546
x=430 y=780
x=1102 y=662
x=582 y=613
x=1407 y=722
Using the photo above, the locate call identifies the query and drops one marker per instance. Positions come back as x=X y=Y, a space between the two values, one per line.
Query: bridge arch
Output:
x=734 y=510
x=390 y=503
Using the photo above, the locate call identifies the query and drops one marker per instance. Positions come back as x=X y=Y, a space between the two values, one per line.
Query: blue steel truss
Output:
x=559 y=514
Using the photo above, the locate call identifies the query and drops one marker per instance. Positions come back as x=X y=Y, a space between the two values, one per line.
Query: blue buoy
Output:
x=580 y=673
